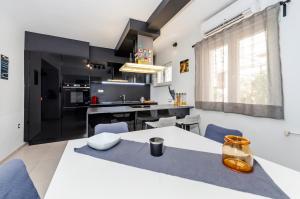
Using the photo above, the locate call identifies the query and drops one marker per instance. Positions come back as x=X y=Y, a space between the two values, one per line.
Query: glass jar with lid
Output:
x=237 y=154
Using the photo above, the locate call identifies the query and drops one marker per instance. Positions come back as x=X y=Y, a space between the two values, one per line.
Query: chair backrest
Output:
x=15 y=181
x=191 y=119
x=168 y=121
x=120 y=127
x=218 y=133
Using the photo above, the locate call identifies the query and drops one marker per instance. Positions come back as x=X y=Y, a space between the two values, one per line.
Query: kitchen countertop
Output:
x=120 y=103
x=126 y=109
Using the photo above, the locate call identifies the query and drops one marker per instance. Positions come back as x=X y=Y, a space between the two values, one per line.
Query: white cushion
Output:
x=103 y=141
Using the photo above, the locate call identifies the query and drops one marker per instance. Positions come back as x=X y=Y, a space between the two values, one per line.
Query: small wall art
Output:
x=184 y=66
x=4 y=62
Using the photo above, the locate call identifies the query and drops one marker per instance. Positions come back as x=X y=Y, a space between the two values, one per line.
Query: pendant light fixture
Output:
x=141 y=68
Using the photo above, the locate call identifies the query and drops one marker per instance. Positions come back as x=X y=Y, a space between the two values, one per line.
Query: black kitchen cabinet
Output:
x=32 y=99
x=77 y=66
x=45 y=116
x=50 y=99
x=73 y=122
x=48 y=117
x=42 y=96
x=36 y=42
x=50 y=63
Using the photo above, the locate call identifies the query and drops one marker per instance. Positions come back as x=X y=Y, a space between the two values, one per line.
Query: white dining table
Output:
x=81 y=176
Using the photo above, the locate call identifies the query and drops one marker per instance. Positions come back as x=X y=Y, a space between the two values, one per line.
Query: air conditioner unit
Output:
x=230 y=15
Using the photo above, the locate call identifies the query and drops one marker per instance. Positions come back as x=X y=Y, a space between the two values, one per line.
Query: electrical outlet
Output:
x=19 y=125
x=287 y=133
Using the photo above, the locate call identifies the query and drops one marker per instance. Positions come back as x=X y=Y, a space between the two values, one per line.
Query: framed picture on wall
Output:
x=4 y=67
x=184 y=66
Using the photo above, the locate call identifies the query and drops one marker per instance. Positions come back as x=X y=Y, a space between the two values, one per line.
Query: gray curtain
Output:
x=238 y=70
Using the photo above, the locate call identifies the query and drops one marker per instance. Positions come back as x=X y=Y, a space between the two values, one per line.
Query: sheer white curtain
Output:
x=238 y=70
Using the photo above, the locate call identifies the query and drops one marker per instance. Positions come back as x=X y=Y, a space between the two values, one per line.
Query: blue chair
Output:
x=15 y=182
x=120 y=127
x=218 y=133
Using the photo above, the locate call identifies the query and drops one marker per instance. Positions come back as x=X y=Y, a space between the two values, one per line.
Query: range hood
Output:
x=141 y=68
x=143 y=58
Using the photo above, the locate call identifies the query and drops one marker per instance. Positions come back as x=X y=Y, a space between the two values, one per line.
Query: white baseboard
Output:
x=12 y=153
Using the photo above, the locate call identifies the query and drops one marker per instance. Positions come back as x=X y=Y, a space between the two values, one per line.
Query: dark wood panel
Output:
x=57 y=45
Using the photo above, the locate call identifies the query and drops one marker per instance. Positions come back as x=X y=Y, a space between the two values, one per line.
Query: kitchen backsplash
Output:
x=112 y=92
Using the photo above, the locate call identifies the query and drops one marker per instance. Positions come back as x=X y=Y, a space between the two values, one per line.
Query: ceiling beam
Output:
x=127 y=40
x=166 y=10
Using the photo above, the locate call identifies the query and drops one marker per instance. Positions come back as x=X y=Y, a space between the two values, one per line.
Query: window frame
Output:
x=232 y=95
x=164 y=83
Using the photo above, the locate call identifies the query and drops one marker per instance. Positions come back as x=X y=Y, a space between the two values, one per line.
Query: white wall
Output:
x=267 y=135
x=12 y=90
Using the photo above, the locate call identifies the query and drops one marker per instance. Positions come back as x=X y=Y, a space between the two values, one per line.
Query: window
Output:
x=219 y=68
x=253 y=71
x=164 y=77
x=238 y=70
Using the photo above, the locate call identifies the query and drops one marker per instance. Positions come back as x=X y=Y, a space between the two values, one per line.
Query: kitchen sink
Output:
x=121 y=102
x=140 y=106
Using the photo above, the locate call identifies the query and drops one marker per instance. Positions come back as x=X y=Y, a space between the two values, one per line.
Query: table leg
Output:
x=87 y=125
x=135 y=121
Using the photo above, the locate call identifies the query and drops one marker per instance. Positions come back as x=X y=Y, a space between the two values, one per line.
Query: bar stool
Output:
x=162 y=122
x=146 y=116
x=129 y=118
x=188 y=121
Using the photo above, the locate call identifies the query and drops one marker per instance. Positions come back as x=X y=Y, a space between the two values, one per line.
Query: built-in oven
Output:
x=76 y=99
x=76 y=95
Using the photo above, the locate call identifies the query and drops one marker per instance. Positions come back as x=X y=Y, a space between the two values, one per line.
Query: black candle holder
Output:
x=156 y=146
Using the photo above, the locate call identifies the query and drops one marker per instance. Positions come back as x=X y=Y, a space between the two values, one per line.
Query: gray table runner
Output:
x=189 y=164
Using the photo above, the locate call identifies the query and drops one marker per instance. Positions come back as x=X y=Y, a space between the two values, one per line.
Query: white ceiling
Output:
x=101 y=22
x=187 y=21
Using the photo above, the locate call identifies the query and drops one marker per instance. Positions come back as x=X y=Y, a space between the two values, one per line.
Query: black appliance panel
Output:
x=76 y=96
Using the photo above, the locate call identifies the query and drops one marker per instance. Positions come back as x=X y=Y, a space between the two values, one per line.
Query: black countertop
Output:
x=128 y=109
x=121 y=103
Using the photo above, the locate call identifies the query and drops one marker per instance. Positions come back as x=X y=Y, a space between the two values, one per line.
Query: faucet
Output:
x=123 y=97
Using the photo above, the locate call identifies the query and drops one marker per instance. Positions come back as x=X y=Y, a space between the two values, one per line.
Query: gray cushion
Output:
x=120 y=127
x=15 y=182
x=218 y=133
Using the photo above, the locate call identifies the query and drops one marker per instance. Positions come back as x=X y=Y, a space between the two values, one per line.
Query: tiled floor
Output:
x=41 y=162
